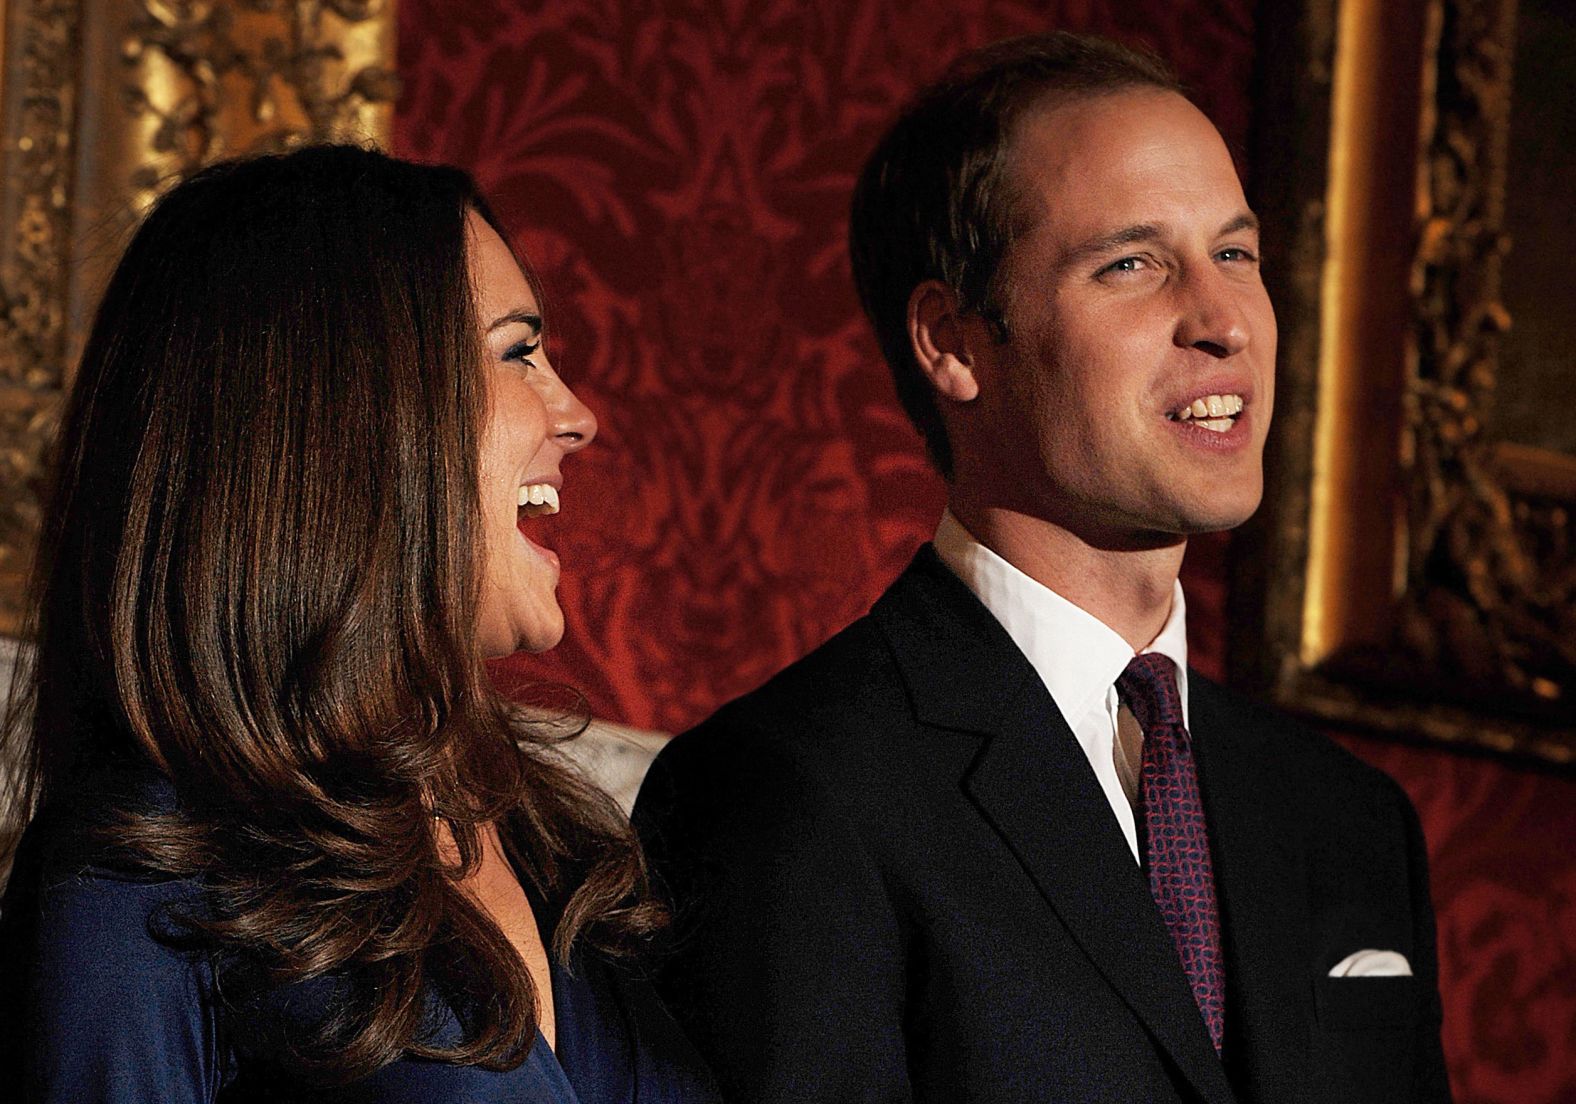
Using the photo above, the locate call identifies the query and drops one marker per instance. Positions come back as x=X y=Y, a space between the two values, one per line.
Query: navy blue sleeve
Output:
x=113 y=1015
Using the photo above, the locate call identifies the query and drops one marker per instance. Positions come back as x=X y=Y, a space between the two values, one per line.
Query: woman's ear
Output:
x=941 y=338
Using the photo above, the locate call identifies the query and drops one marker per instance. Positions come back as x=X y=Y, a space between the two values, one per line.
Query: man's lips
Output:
x=1214 y=407
x=1218 y=434
x=1209 y=407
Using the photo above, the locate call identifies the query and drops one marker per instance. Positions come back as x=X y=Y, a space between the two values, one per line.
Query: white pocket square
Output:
x=1370 y=963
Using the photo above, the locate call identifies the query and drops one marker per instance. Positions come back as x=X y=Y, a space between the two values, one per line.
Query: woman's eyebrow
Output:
x=529 y=318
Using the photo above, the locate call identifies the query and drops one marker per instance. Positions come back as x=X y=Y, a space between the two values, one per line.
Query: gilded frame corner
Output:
x=103 y=103
x=1409 y=574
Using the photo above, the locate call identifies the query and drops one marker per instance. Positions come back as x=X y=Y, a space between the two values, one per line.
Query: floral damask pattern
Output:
x=678 y=173
x=1504 y=890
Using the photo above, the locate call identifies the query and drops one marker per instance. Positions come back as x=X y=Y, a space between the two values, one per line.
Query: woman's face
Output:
x=534 y=421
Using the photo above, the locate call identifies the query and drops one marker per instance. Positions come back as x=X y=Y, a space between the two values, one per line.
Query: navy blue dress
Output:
x=98 y=1005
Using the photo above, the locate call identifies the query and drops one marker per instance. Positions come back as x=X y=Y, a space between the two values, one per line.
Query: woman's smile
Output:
x=534 y=422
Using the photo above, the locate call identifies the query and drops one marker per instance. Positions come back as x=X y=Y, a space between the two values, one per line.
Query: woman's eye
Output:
x=521 y=350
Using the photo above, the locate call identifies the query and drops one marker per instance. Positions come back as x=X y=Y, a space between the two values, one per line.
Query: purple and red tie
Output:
x=1176 y=849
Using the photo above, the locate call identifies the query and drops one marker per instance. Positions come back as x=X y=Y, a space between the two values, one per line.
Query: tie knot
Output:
x=1149 y=687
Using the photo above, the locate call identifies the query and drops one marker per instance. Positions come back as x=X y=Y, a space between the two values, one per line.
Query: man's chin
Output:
x=1195 y=520
x=1215 y=507
x=1218 y=519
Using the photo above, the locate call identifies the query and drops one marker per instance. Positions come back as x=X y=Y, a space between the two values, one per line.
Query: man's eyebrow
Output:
x=1245 y=221
x=529 y=318
x=1127 y=235
x=1145 y=232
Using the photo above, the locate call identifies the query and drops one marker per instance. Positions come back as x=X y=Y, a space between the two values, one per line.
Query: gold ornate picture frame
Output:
x=1411 y=571
x=103 y=103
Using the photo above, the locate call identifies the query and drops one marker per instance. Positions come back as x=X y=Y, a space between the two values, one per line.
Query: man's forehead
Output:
x=1101 y=128
x=1119 y=159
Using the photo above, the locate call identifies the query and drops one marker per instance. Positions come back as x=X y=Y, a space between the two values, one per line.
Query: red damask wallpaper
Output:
x=678 y=173
x=1504 y=887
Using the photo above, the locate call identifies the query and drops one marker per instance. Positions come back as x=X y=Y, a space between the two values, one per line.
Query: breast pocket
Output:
x=1363 y=1050
x=1364 y=1003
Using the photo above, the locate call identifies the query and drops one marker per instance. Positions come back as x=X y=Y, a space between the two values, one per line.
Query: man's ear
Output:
x=942 y=341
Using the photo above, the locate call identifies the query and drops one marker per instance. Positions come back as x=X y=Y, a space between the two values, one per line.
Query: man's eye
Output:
x=1126 y=264
x=1236 y=254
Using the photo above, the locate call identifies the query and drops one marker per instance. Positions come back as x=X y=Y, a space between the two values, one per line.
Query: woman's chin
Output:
x=543 y=642
x=533 y=632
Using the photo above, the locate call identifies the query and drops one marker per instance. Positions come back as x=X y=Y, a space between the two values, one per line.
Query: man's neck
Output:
x=1128 y=589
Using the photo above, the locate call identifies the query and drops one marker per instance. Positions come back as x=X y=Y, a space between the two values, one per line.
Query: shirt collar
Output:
x=1077 y=655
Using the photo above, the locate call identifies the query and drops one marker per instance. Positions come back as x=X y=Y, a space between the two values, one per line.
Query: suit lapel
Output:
x=1262 y=890
x=1031 y=782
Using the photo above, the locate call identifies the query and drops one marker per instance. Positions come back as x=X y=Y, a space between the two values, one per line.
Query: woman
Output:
x=287 y=842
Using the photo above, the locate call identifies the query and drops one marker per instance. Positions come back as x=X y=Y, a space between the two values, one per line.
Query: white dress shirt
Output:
x=1077 y=655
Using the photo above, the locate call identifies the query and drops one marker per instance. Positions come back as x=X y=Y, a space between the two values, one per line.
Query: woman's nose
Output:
x=573 y=423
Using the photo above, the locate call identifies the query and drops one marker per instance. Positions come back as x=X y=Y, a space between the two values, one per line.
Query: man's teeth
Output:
x=537 y=499
x=1211 y=412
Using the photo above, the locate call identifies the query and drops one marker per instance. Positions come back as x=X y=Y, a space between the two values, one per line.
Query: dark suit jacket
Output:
x=897 y=879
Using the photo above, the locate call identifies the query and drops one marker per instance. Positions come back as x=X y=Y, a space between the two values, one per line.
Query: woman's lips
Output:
x=545 y=553
x=537 y=499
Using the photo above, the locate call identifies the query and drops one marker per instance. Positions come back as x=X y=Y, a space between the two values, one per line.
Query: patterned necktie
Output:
x=1176 y=849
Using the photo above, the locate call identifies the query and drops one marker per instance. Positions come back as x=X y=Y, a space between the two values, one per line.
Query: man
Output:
x=994 y=842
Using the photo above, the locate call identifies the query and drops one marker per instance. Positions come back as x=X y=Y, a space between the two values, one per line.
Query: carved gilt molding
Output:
x=207 y=78
x=38 y=111
x=1491 y=592
x=1410 y=573
x=105 y=103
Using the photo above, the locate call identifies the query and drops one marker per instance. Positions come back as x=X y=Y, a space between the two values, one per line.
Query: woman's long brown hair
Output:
x=259 y=574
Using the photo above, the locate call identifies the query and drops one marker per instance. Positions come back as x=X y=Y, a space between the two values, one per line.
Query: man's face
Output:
x=1130 y=402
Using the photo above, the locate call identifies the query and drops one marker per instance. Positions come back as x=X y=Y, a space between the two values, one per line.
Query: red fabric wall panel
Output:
x=678 y=174
x=1500 y=842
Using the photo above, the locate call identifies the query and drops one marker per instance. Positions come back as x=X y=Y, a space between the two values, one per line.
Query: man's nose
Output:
x=1212 y=317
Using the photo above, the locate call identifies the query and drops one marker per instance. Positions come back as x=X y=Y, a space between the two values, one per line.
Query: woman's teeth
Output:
x=538 y=499
x=1213 y=412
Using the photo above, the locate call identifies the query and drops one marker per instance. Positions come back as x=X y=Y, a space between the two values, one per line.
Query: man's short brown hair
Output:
x=932 y=202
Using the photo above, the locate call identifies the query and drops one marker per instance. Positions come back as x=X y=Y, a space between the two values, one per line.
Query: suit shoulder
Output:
x=854 y=669
x=821 y=733
x=1288 y=746
x=841 y=695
